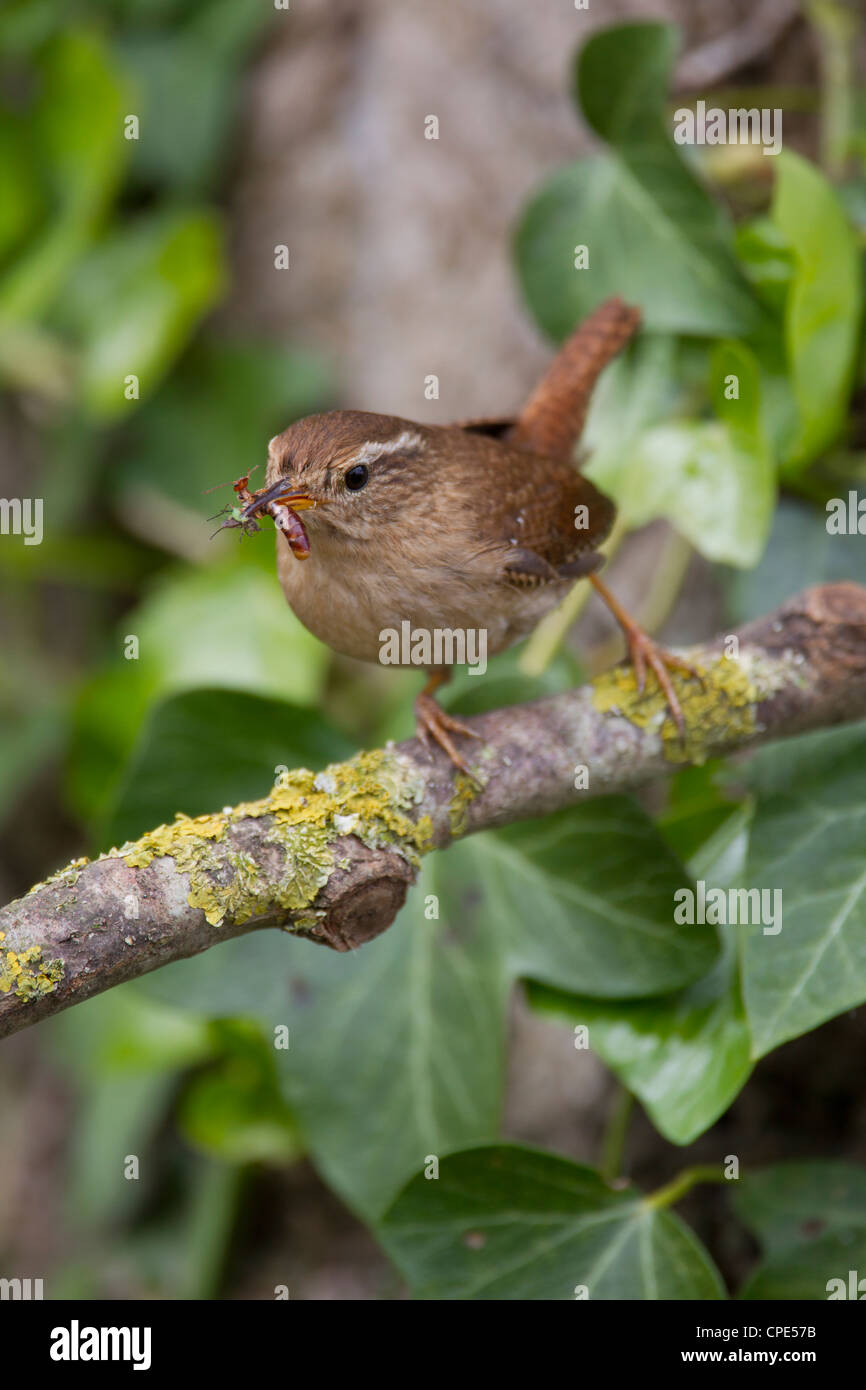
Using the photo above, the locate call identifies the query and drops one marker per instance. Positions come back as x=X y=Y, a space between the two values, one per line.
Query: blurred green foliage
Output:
x=112 y=255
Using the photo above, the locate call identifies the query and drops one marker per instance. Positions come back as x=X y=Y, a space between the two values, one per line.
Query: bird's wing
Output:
x=552 y=518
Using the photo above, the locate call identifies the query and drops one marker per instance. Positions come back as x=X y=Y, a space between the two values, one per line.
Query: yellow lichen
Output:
x=182 y=840
x=24 y=971
x=369 y=796
x=465 y=791
x=67 y=875
x=722 y=704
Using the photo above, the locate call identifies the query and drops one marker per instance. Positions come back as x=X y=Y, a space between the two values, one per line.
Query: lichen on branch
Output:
x=370 y=797
x=330 y=855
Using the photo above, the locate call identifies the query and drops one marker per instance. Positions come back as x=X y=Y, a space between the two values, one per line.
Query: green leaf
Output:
x=586 y=898
x=228 y=626
x=203 y=53
x=512 y=1223
x=696 y=806
x=234 y=1110
x=792 y=1204
x=713 y=480
x=653 y=234
x=779 y=769
x=231 y=1114
x=811 y=1220
x=685 y=1056
x=824 y=303
x=137 y=298
x=799 y=552
x=22 y=196
x=769 y=266
x=216 y=412
x=410 y=1029
x=124 y=1033
x=767 y=260
x=125 y=1051
x=640 y=388
x=29 y=740
x=808 y=841
x=225 y=627
x=78 y=146
x=417 y=1018
x=216 y=747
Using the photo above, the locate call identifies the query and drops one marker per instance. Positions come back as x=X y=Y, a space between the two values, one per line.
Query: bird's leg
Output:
x=431 y=720
x=643 y=652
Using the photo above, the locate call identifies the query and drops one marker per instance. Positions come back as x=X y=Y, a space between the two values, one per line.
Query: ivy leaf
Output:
x=652 y=233
x=800 y=552
x=712 y=479
x=811 y=1220
x=396 y=1051
x=586 y=898
x=202 y=49
x=511 y=1223
x=640 y=388
x=206 y=748
x=685 y=1056
x=416 y=1020
x=767 y=260
x=713 y=483
x=807 y=841
x=226 y=627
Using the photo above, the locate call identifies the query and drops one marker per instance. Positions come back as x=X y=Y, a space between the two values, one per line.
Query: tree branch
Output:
x=330 y=856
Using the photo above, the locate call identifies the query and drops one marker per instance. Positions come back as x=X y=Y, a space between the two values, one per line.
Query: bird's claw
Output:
x=643 y=652
x=432 y=721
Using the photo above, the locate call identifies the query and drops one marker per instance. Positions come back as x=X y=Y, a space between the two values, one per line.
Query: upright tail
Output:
x=552 y=420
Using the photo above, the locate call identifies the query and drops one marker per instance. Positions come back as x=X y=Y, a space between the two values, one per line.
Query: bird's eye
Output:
x=356 y=478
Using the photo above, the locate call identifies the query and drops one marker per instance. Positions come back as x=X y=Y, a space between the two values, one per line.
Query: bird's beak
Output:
x=298 y=501
x=281 y=493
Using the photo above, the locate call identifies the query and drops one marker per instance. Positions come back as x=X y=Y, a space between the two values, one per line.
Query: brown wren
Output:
x=481 y=526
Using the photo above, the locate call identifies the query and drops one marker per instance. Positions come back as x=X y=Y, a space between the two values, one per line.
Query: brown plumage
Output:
x=479 y=526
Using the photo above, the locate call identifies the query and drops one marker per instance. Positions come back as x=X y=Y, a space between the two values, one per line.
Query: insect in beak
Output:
x=278 y=502
x=280 y=495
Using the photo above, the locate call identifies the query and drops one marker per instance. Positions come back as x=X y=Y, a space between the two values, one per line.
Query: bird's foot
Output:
x=432 y=722
x=644 y=652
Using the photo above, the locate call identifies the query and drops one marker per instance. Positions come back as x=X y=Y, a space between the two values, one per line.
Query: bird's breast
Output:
x=356 y=603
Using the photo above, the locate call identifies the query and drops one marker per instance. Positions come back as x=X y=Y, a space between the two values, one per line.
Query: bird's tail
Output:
x=552 y=420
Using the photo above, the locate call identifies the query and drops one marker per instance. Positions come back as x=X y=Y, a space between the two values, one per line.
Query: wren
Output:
x=482 y=525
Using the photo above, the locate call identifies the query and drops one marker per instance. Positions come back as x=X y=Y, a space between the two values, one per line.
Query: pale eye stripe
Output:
x=374 y=449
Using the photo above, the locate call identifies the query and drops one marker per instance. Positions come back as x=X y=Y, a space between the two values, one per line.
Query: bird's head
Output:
x=350 y=472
